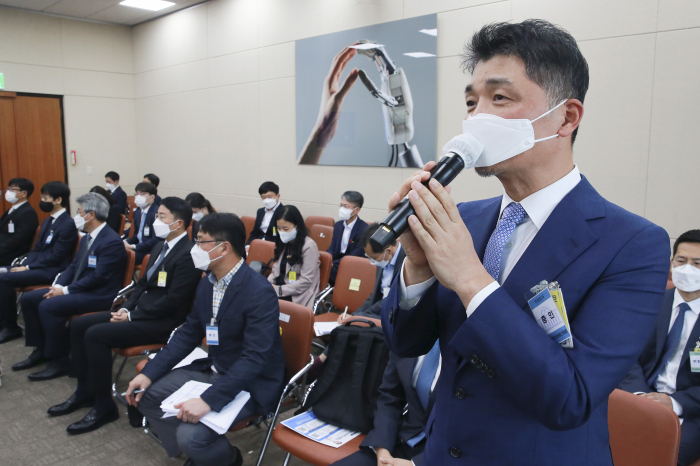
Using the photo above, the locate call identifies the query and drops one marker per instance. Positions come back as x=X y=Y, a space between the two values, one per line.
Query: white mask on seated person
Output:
x=197 y=216
x=11 y=197
x=287 y=236
x=162 y=229
x=140 y=201
x=686 y=278
x=269 y=203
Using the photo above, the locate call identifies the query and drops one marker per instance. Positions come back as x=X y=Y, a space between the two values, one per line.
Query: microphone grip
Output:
x=396 y=222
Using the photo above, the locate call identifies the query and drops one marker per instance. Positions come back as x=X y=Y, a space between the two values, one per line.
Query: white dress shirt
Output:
x=666 y=382
x=15 y=206
x=267 y=218
x=539 y=206
x=346 y=235
x=93 y=234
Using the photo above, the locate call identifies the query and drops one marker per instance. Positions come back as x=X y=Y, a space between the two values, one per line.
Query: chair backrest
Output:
x=326 y=265
x=189 y=231
x=322 y=234
x=261 y=250
x=249 y=223
x=319 y=220
x=297 y=330
x=131 y=206
x=36 y=236
x=144 y=265
x=642 y=432
x=77 y=246
x=132 y=229
x=354 y=282
x=122 y=224
x=130 y=266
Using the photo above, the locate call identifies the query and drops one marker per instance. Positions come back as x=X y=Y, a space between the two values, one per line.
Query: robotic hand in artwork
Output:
x=397 y=105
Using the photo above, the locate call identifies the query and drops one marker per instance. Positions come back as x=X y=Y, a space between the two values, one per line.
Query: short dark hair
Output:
x=114 y=176
x=292 y=215
x=57 y=189
x=181 y=209
x=223 y=226
x=268 y=186
x=691 y=236
x=106 y=194
x=367 y=234
x=552 y=58
x=23 y=184
x=155 y=181
x=354 y=197
x=198 y=201
x=146 y=187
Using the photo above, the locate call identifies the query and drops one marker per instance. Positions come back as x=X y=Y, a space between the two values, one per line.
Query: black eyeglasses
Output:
x=210 y=241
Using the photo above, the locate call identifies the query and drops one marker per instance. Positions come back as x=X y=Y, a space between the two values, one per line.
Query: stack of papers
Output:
x=310 y=427
x=198 y=353
x=218 y=422
x=324 y=328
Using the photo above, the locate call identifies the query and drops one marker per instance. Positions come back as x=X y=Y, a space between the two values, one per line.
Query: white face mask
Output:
x=287 y=236
x=686 y=278
x=161 y=229
x=110 y=186
x=344 y=213
x=140 y=201
x=11 y=197
x=197 y=216
x=269 y=203
x=502 y=138
x=200 y=257
x=79 y=221
x=381 y=263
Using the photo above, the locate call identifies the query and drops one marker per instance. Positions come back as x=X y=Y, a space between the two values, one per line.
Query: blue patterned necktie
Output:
x=672 y=341
x=424 y=382
x=512 y=215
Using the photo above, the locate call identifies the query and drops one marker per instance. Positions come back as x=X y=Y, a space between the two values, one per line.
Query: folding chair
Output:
x=249 y=223
x=20 y=259
x=319 y=220
x=324 y=289
x=322 y=234
x=189 y=231
x=261 y=250
x=122 y=225
x=353 y=285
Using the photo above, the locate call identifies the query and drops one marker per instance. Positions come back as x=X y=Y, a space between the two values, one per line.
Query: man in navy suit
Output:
x=19 y=223
x=507 y=392
x=144 y=237
x=89 y=284
x=118 y=194
x=348 y=231
x=242 y=306
x=51 y=255
x=265 y=227
x=664 y=371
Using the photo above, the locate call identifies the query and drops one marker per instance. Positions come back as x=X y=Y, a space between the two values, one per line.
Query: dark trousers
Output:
x=92 y=338
x=198 y=441
x=8 y=297
x=45 y=319
x=689 y=450
x=140 y=256
x=367 y=457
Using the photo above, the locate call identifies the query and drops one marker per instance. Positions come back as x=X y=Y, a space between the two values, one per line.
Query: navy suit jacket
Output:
x=528 y=400
x=107 y=277
x=57 y=255
x=13 y=245
x=372 y=307
x=119 y=198
x=687 y=382
x=249 y=353
x=257 y=233
x=395 y=394
x=150 y=239
x=354 y=248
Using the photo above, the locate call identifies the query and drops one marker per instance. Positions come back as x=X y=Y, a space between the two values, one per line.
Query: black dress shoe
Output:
x=93 y=421
x=9 y=334
x=238 y=461
x=33 y=360
x=56 y=368
x=71 y=405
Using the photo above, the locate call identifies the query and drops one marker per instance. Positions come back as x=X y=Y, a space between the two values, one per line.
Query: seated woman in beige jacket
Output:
x=296 y=272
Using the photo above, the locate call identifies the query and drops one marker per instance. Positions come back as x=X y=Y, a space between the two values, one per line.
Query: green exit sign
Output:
x=2 y=81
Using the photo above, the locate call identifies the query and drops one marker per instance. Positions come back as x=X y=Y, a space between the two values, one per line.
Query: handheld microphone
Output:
x=461 y=152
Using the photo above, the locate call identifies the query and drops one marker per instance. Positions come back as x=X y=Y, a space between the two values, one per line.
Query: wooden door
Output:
x=31 y=142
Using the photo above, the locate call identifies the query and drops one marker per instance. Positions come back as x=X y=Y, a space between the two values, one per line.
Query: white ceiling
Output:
x=99 y=10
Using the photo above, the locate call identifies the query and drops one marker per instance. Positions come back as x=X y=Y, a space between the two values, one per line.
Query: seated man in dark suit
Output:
x=89 y=284
x=158 y=304
x=407 y=386
x=664 y=371
x=144 y=238
x=118 y=194
x=154 y=180
x=265 y=227
x=114 y=219
x=242 y=305
x=348 y=231
x=52 y=254
x=18 y=224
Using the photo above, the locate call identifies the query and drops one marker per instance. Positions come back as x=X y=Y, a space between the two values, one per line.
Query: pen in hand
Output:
x=138 y=390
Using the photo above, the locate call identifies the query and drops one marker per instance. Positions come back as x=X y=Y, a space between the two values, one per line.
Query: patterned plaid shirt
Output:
x=220 y=287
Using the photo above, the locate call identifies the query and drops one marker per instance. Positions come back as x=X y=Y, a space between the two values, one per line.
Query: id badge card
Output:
x=92 y=261
x=146 y=231
x=695 y=360
x=10 y=227
x=292 y=276
x=162 y=278
x=49 y=238
x=212 y=335
x=274 y=231
x=547 y=315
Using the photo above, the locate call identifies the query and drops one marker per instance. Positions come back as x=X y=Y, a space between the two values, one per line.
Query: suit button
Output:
x=479 y=364
x=484 y=368
x=460 y=394
x=455 y=453
x=491 y=374
x=391 y=317
x=474 y=359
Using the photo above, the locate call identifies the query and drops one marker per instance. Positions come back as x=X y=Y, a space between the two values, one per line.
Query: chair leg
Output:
x=119 y=372
x=286 y=459
x=318 y=345
x=271 y=427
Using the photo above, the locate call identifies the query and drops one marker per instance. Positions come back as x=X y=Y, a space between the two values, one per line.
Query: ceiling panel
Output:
x=29 y=4
x=79 y=8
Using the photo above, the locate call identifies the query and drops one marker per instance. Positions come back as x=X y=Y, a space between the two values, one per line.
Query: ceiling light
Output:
x=152 y=5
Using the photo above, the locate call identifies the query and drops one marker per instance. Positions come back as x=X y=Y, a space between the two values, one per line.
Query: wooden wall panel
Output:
x=8 y=142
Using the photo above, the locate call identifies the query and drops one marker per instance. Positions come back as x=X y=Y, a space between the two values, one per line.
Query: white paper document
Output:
x=324 y=328
x=198 y=353
x=219 y=422
x=366 y=46
x=307 y=425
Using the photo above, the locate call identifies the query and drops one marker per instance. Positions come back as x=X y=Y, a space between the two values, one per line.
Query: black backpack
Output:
x=345 y=395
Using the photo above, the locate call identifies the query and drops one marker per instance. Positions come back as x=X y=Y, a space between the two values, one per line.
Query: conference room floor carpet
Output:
x=28 y=436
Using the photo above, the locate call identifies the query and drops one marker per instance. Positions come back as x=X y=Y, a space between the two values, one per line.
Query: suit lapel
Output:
x=482 y=222
x=662 y=325
x=231 y=291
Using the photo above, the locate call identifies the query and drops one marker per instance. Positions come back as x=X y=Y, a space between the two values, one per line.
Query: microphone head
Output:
x=467 y=147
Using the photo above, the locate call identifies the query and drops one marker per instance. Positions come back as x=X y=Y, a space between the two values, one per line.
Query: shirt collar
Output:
x=678 y=299
x=58 y=214
x=226 y=278
x=96 y=231
x=396 y=255
x=351 y=224
x=539 y=205
x=145 y=209
x=171 y=244
x=17 y=205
